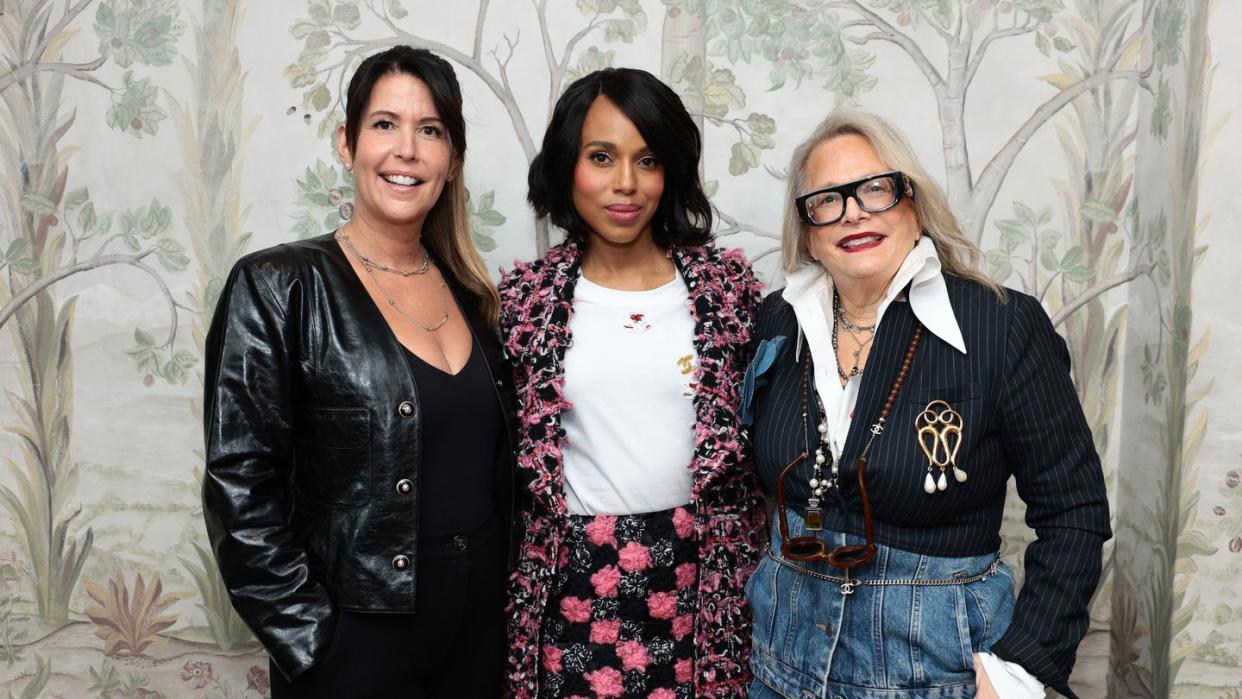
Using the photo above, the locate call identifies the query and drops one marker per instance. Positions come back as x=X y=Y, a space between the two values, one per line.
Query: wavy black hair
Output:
x=684 y=216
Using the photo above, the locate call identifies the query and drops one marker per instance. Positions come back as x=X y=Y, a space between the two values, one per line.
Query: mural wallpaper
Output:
x=1086 y=145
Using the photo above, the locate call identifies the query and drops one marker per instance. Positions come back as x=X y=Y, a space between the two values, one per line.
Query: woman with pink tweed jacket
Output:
x=641 y=512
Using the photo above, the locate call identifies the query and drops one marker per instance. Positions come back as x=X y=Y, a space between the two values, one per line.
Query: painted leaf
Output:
x=38 y=204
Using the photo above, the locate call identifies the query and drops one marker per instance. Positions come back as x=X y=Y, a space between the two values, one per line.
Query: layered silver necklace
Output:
x=371 y=266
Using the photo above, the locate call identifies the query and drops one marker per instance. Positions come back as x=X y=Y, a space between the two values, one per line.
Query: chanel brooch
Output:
x=939 y=432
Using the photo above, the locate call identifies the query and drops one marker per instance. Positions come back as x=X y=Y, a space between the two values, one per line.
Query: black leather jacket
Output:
x=313 y=447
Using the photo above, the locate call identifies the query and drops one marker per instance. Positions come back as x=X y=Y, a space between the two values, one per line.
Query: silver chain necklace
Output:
x=373 y=265
x=444 y=315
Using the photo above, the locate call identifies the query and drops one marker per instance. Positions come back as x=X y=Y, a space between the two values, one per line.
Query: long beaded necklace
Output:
x=819 y=484
x=840 y=319
x=367 y=265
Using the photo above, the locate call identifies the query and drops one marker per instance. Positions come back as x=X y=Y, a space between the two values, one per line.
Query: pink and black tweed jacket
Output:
x=536 y=305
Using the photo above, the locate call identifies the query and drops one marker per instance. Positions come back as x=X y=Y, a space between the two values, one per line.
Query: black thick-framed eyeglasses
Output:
x=874 y=194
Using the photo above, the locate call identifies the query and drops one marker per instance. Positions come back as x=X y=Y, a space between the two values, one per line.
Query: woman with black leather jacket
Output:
x=358 y=479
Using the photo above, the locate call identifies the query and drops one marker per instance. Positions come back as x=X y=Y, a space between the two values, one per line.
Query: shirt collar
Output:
x=807 y=288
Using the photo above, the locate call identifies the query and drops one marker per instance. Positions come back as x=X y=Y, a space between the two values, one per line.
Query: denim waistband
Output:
x=849 y=584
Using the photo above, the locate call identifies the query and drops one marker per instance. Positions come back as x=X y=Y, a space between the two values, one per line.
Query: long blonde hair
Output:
x=446 y=232
x=958 y=256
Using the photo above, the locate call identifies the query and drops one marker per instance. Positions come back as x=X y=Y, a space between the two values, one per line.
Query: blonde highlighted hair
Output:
x=446 y=232
x=958 y=256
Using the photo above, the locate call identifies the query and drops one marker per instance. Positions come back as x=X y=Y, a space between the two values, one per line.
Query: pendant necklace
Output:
x=367 y=265
x=839 y=319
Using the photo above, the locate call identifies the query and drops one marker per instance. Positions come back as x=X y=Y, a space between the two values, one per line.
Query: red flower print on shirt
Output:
x=637 y=322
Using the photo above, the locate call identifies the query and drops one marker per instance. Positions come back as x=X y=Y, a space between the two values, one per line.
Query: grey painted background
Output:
x=1089 y=146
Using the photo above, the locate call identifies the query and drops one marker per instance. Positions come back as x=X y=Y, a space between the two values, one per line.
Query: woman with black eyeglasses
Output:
x=895 y=389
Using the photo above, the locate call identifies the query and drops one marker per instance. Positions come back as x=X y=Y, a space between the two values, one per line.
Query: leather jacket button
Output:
x=400 y=563
x=406 y=409
x=460 y=542
x=404 y=486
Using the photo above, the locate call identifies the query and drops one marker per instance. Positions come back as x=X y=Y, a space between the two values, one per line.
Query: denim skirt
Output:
x=915 y=639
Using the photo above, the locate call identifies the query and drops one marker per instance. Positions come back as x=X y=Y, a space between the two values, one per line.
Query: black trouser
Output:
x=452 y=646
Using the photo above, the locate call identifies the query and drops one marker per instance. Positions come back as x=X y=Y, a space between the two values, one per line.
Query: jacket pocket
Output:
x=333 y=455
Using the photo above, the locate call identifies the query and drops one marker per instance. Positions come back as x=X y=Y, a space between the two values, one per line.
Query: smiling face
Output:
x=861 y=247
x=402 y=157
x=617 y=180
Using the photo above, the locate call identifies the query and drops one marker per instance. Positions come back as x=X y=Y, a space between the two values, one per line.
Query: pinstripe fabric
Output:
x=1021 y=418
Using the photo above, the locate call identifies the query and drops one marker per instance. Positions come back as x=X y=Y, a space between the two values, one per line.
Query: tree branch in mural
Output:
x=326 y=34
x=43 y=247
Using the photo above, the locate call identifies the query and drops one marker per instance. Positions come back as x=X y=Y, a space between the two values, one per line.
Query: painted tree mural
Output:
x=51 y=235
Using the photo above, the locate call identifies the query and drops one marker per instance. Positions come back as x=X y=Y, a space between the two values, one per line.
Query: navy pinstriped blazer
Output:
x=1022 y=418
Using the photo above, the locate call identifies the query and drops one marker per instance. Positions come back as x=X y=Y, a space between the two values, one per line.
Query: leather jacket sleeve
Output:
x=251 y=353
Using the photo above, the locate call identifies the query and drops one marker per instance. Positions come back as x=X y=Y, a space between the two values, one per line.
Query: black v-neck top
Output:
x=462 y=428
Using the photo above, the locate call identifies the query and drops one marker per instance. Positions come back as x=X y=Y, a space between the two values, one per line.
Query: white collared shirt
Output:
x=809 y=292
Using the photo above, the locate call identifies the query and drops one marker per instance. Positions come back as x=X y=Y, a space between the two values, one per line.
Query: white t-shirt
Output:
x=629 y=378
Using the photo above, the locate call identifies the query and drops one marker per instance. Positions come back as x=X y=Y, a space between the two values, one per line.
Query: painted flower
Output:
x=1218 y=511
x=662 y=605
x=633 y=655
x=198 y=672
x=605 y=682
x=634 y=557
x=662 y=693
x=605 y=631
x=257 y=679
x=687 y=573
x=1232 y=479
x=1235 y=545
x=576 y=610
x=551 y=658
x=605 y=581
x=683 y=670
x=602 y=531
x=683 y=625
x=683 y=523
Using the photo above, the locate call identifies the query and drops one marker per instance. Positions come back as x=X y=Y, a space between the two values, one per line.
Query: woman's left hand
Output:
x=983 y=686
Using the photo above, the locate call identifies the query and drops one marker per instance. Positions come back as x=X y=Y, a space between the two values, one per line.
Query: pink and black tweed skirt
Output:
x=620 y=619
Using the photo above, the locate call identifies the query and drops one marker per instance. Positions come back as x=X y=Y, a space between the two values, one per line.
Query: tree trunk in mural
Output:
x=213 y=142
x=1158 y=499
